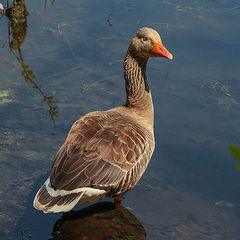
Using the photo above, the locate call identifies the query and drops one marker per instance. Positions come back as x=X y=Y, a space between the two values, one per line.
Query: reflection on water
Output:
x=98 y=222
x=17 y=30
x=17 y=15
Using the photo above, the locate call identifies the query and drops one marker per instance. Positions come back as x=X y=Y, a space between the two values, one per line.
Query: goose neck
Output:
x=137 y=88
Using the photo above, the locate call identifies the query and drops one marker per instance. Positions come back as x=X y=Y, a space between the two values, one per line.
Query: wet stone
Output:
x=100 y=221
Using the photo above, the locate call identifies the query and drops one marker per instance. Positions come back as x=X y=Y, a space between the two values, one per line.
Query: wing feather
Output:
x=99 y=151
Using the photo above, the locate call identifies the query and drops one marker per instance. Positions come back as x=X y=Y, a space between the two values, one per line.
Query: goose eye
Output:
x=145 y=38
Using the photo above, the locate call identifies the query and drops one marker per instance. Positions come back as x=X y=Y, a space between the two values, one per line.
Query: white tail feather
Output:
x=49 y=200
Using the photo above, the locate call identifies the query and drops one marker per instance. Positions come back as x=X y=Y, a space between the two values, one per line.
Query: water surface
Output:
x=76 y=49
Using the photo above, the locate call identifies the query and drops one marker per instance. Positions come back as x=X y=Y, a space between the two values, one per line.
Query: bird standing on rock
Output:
x=106 y=152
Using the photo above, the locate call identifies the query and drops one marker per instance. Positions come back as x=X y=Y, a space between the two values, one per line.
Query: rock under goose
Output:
x=106 y=152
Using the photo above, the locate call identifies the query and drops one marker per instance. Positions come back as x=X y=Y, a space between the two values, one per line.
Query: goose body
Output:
x=106 y=152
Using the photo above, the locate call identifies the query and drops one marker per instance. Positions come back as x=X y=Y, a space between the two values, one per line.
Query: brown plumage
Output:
x=106 y=153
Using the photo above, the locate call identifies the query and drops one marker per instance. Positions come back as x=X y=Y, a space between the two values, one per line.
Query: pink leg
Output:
x=117 y=203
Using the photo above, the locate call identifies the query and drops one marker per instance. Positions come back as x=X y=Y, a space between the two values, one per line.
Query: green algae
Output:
x=5 y=97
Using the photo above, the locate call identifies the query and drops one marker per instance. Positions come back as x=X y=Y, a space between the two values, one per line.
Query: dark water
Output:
x=76 y=48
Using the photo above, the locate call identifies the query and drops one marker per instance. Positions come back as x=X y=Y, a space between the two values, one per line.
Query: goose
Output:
x=106 y=152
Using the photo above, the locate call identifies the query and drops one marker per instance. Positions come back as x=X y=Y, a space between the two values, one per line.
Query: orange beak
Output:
x=160 y=51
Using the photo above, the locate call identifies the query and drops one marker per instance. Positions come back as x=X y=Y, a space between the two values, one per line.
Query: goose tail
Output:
x=50 y=200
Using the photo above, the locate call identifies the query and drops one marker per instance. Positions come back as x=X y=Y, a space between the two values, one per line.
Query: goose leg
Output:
x=117 y=203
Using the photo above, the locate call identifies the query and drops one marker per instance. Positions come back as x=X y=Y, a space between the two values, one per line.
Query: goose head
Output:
x=147 y=43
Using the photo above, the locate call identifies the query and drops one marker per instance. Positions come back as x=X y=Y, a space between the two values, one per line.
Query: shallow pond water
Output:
x=75 y=49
